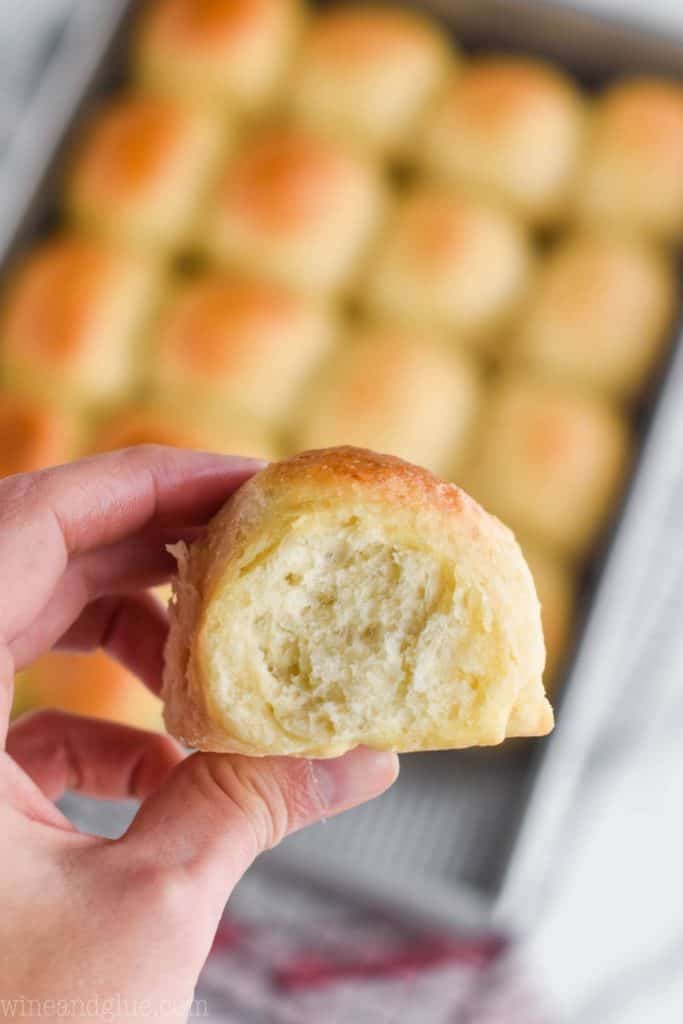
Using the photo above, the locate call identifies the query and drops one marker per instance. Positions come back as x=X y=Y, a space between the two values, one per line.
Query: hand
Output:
x=114 y=925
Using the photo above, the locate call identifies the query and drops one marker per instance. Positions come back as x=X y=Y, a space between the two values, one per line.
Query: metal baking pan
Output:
x=466 y=838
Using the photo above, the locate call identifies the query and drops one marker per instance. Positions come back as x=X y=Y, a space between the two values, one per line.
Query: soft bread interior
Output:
x=344 y=630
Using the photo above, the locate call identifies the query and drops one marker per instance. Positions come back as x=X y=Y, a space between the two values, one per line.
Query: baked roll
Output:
x=167 y=424
x=550 y=462
x=451 y=262
x=141 y=170
x=89 y=684
x=556 y=588
x=226 y=343
x=71 y=320
x=344 y=598
x=296 y=209
x=32 y=435
x=399 y=391
x=600 y=313
x=510 y=127
x=227 y=53
x=632 y=174
x=367 y=74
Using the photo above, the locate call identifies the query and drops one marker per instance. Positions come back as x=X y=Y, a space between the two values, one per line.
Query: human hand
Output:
x=113 y=926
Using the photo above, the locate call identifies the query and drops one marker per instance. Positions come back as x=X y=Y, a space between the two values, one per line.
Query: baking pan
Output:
x=466 y=837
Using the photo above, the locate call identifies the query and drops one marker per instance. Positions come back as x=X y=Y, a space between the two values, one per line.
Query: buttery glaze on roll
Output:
x=226 y=53
x=632 y=174
x=367 y=74
x=33 y=435
x=600 y=313
x=450 y=261
x=228 y=343
x=91 y=684
x=164 y=423
x=556 y=588
x=141 y=170
x=343 y=597
x=399 y=390
x=71 y=320
x=296 y=209
x=550 y=462
x=512 y=128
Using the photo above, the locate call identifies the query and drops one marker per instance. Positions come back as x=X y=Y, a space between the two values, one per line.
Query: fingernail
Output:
x=357 y=776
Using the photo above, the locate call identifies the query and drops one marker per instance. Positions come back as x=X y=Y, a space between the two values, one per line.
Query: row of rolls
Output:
x=297 y=229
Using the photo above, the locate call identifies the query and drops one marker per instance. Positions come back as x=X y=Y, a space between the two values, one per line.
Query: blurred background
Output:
x=450 y=231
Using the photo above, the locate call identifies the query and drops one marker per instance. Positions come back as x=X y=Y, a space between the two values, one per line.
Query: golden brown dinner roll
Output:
x=397 y=390
x=142 y=169
x=227 y=52
x=600 y=313
x=556 y=589
x=71 y=318
x=33 y=435
x=295 y=208
x=632 y=175
x=452 y=262
x=366 y=74
x=229 y=343
x=550 y=463
x=87 y=684
x=511 y=127
x=156 y=423
x=343 y=598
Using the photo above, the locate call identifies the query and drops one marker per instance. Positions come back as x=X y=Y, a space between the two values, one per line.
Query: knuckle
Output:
x=271 y=798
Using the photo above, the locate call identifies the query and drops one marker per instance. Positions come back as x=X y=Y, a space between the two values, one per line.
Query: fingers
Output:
x=48 y=518
x=132 y=628
x=217 y=812
x=6 y=691
x=61 y=751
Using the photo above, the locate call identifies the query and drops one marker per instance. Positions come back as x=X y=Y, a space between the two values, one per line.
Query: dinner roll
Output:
x=142 y=168
x=451 y=262
x=71 y=317
x=398 y=390
x=600 y=313
x=226 y=343
x=295 y=208
x=89 y=684
x=550 y=463
x=556 y=588
x=32 y=435
x=343 y=597
x=227 y=52
x=157 y=423
x=366 y=74
x=632 y=175
x=511 y=127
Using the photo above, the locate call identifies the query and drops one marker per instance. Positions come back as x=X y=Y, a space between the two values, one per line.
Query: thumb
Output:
x=216 y=812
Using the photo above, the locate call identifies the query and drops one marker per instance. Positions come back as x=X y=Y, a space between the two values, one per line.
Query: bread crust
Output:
x=398 y=390
x=240 y=345
x=71 y=318
x=511 y=128
x=550 y=461
x=295 y=208
x=367 y=74
x=631 y=172
x=142 y=168
x=409 y=500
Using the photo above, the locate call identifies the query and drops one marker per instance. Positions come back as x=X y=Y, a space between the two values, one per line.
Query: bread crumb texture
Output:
x=343 y=597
